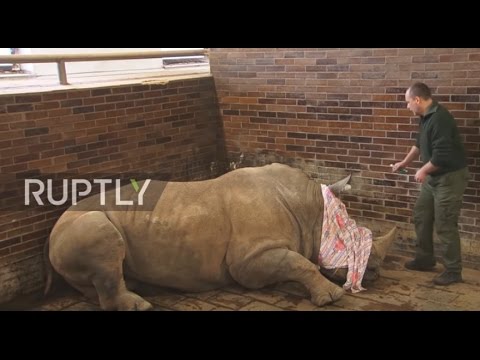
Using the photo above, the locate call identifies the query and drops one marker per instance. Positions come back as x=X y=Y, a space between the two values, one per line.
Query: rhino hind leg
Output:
x=117 y=297
x=279 y=265
x=90 y=257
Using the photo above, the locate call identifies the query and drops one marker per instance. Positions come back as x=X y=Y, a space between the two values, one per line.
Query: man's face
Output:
x=413 y=103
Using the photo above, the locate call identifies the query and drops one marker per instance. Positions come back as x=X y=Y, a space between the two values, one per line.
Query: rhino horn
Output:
x=383 y=243
x=340 y=186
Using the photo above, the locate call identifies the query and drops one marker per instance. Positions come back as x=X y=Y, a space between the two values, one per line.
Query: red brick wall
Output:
x=167 y=131
x=336 y=111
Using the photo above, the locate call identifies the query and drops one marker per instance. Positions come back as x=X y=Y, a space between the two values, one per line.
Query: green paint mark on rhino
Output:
x=135 y=185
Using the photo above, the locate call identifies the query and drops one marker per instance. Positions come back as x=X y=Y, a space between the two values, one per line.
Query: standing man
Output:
x=444 y=177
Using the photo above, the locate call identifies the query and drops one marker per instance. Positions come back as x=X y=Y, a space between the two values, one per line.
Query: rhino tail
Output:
x=48 y=267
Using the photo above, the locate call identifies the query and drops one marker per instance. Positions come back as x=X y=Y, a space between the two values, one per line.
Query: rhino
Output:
x=254 y=226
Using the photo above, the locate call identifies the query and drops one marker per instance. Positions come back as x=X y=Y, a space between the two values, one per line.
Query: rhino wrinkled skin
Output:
x=253 y=226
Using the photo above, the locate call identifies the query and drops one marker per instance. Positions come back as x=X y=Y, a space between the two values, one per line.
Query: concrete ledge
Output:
x=41 y=84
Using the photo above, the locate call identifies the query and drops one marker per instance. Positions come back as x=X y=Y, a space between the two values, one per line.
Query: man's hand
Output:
x=397 y=166
x=420 y=175
x=426 y=169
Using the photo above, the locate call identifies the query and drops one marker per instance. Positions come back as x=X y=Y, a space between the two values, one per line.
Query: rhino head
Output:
x=378 y=252
x=380 y=246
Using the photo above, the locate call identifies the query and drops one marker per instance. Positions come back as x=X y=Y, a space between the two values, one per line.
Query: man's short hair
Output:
x=421 y=90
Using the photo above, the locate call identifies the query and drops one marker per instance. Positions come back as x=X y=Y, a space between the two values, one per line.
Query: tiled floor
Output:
x=397 y=289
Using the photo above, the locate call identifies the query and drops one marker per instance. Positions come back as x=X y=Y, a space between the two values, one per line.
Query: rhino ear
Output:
x=340 y=186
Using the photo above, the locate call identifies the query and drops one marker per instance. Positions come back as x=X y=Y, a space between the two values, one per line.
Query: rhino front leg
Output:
x=278 y=265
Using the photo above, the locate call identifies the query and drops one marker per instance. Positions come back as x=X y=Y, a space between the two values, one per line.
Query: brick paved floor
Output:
x=397 y=289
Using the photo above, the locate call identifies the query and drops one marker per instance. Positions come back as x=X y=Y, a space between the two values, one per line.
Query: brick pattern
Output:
x=169 y=131
x=343 y=110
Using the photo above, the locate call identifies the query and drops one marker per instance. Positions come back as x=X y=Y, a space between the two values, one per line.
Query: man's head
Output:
x=418 y=98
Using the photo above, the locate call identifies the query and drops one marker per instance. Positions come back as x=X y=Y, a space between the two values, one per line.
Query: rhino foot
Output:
x=132 y=302
x=332 y=294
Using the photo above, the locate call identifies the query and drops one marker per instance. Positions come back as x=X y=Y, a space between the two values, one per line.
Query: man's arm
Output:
x=426 y=169
x=412 y=155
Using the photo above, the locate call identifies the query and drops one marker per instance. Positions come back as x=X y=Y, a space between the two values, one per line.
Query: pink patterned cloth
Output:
x=343 y=243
